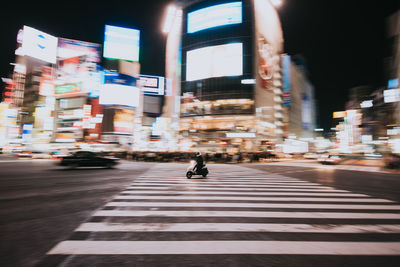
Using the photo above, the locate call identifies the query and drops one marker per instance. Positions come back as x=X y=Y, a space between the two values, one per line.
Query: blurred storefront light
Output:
x=366 y=104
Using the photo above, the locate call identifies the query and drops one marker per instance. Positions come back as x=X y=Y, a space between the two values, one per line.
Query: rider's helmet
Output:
x=198 y=154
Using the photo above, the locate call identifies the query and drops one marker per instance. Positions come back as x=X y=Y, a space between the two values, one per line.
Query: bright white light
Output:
x=276 y=3
x=171 y=11
x=319 y=130
x=366 y=104
x=117 y=94
x=240 y=135
x=214 y=61
x=248 y=81
x=392 y=95
x=213 y=16
x=39 y=45
x=121 y=43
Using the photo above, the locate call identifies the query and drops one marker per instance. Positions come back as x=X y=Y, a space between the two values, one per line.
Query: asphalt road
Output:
x=41 y=204
x=148 y=214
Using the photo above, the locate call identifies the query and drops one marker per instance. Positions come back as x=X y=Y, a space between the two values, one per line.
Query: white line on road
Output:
x=249 y=214
x=236 y=185
x=72 y=247
x=225 y=189
x=237 y=227
x=227 y=183
x=285 y=199
x=252 y=205
x=274 y=180
x=170 y=192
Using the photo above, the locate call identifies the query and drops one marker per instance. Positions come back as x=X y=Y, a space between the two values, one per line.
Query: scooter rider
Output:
x=199 y=162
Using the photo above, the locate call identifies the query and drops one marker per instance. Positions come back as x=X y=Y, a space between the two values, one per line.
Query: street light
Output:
x=169 y=19
x=276 y=3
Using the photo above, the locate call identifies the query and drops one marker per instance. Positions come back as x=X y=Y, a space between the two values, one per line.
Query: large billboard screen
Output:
x=119 y=95
x=152 y=84
x=214 y=61
x=214 y=16
x=39 y=45
x=68 y=48
x=121 y=43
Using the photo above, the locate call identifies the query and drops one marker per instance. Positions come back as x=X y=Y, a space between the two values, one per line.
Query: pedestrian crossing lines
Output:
x=237 y=212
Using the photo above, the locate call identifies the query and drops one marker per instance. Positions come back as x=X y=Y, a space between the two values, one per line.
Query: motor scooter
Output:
x=189 y=173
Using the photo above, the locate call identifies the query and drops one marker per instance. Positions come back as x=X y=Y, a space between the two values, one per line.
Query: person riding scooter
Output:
x=199 y=162
x=197 y=168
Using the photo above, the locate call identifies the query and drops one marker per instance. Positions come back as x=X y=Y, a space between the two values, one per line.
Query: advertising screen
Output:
x=214 y=16
x=214 y=61
x=123 y=121
x=68 y=48
x=121 y=43
x=152 y=84
x=39 y=45
x=120 y=95
x=286 y=79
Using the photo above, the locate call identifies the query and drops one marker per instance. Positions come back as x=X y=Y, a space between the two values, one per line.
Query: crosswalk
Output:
x=235 y=211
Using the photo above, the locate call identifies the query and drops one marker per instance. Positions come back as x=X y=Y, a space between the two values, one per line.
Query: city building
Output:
x=299 y=100
x=224 y=61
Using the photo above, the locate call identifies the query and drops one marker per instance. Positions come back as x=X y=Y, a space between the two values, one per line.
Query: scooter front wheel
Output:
x=189 y=175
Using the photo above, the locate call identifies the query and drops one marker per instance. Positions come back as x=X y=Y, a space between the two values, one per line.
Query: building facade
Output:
x=224 y=60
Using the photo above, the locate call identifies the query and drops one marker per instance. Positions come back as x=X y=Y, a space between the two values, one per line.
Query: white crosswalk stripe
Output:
x=243 y=201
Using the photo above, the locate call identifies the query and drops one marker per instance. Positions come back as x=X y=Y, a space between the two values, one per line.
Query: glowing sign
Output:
x=391 y=95
x=152 y=84
x=240 y=135
x=68 y=48
x=118 y=94
x=121 y=43
x=39 y=45
x=214 y=16
x=214 y=61
x=339 y=114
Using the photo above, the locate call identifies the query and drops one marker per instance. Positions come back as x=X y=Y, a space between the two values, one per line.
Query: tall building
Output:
x=299 y=101
x=224 y=60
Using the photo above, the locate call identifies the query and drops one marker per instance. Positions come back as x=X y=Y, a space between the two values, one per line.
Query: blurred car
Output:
x=392 y=161
x=88 y=159
x=329 y=159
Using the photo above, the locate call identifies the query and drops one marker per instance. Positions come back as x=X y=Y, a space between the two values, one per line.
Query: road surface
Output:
x=148 y=214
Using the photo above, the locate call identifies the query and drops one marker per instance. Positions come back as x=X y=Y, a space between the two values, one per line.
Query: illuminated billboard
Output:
x=68 y=48
x=121 y=43
x=214 y=61
x=152 y=84
x=214 y=16
x=39 y=45
x=119 y=95
x=123 y=121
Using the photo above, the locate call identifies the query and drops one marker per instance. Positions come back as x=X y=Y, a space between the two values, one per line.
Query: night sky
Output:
x=343 y=42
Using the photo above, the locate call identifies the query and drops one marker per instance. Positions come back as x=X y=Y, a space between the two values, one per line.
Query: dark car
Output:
x=88 y=159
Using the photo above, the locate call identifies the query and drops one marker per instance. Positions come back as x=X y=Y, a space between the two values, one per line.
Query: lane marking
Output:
x=225 y=189
x=237 y=227
x=226 y=180
x=252 y=205
x=235 y=185
x=204 y=181
x=244 y=214
x=285 y=199
x=170 y=192
x=224 y=247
